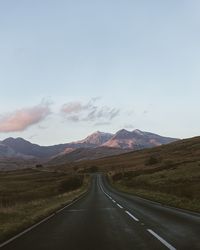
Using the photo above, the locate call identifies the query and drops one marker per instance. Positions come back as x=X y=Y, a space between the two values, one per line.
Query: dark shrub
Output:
x=71 y=183
x=38 y=165
x=117 y=176
x=152 y=160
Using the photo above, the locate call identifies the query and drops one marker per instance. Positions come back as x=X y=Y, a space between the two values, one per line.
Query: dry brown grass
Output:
x=27 y=196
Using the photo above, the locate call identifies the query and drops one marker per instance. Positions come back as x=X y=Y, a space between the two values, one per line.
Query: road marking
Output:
x=132 y=216
x=40 y=222
x=119 y=206
x=26 y=231
x=161 y=239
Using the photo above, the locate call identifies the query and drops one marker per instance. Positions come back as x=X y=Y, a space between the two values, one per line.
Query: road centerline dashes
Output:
x=132 y=216
x=119 y=206
x=164 y=242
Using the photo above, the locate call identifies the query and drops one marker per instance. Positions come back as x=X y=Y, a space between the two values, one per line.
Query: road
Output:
x=105 y=219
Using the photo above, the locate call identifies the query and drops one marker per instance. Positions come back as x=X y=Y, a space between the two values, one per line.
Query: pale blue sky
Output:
x=141 y=58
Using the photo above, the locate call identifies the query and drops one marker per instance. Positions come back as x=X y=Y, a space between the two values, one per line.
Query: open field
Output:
x=26 y=196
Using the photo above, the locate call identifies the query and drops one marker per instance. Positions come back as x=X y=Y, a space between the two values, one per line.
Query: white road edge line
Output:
x=161 y=239
x=132 y=216
x=110 y=197
x=119 y=206
x=40 y=222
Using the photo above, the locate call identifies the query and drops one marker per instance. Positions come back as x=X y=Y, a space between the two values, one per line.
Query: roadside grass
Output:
x=178 y=186
x=27 y=196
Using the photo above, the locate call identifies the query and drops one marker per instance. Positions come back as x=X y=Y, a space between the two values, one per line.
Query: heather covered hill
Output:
x=82 y=154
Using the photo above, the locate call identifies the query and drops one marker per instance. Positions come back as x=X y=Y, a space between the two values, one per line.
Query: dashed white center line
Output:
x=161 y=239
x=119 y=206
x=132 y=216
x=164 y=242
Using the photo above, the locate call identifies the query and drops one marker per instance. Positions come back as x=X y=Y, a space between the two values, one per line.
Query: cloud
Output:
x=72 y=107
x=106 y=113
x=20 y=120
x=74 y=118
x=89 y=112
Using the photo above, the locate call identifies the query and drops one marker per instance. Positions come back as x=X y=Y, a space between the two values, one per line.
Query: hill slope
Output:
x=180 y=152
x=169 y=174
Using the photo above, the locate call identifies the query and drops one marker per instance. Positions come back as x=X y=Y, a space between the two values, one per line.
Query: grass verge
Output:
x=28 y=196
x=178 y=187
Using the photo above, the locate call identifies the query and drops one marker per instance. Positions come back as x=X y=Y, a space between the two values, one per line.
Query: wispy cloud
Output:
x=20 y=120
x=89 y=112
x=73 y=108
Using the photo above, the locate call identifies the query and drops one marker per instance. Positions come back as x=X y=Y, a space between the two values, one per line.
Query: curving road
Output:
x=105 y=219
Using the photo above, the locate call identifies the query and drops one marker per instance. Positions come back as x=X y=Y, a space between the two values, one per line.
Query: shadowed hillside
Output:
x=170 y=155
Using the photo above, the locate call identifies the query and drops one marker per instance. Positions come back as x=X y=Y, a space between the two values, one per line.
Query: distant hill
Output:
x=6 y=151
x=82 y=154
x=23 y=147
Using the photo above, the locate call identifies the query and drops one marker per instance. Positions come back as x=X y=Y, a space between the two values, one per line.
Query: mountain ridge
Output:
x=122 y=141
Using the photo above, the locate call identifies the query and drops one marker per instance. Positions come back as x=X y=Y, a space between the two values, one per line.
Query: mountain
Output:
x=96 y=145
x=136 y=139
x=95 y=140
x=99 y=145
x=6 y=151
x=23 y=147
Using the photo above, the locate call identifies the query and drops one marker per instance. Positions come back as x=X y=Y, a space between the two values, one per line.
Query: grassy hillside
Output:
x=169 y=174
x=178 y=186
x=26 y=196
x=178 y=153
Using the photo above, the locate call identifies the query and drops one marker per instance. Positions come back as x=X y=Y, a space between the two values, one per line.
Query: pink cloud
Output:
x=21 y=119
x=72 y=107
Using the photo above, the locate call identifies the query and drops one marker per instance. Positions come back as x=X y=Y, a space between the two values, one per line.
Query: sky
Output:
x=69 y=68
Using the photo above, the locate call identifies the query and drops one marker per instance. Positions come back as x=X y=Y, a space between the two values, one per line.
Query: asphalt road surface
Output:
x=105 y=219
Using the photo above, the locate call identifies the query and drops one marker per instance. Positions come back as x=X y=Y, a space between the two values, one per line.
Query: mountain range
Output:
x=96 y=145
